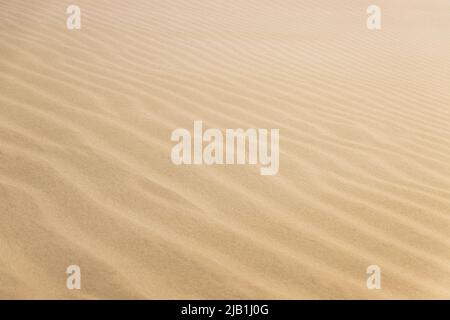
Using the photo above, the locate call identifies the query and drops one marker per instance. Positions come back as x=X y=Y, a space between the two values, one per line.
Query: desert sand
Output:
x=85 y=171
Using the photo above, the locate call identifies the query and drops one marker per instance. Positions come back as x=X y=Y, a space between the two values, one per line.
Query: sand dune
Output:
x=85 y=172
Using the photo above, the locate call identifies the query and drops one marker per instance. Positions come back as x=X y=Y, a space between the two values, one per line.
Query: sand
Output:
x=86 y=177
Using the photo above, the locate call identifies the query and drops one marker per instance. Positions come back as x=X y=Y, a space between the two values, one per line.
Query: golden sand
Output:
x=85 y=172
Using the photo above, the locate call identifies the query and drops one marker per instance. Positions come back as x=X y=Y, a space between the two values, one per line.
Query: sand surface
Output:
x=86 y=176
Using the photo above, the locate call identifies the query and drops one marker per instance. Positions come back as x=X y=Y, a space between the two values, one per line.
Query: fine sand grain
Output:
x=86 y=176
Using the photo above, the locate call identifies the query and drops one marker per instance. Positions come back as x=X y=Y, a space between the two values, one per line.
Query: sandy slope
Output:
x=85 y=170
